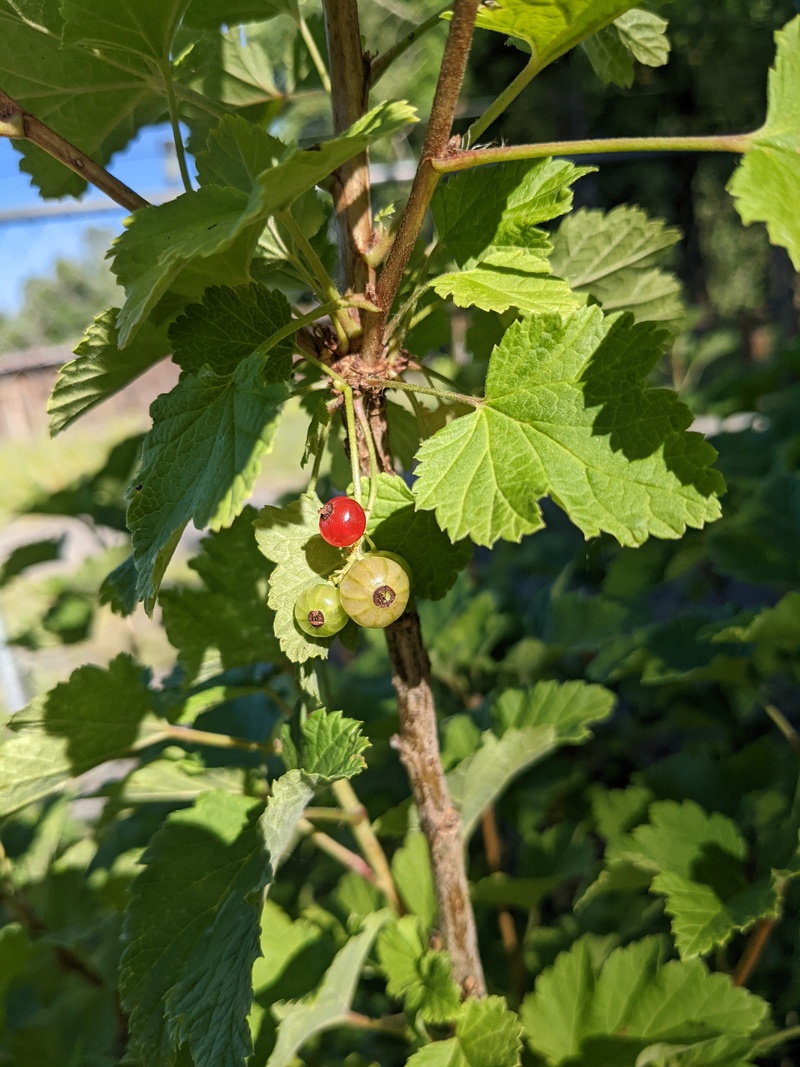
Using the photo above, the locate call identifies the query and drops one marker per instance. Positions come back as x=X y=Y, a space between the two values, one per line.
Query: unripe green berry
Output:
x=319 y=611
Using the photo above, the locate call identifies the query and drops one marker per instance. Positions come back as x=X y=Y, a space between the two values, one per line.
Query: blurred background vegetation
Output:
x=735 y=346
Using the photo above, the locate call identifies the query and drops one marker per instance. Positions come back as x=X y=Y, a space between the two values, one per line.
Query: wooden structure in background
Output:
x=27 y=379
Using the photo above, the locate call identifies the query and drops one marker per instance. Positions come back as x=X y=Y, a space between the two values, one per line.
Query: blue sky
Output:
x=28 y=245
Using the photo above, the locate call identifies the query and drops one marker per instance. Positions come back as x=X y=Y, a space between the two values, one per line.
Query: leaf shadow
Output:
x=639 y=418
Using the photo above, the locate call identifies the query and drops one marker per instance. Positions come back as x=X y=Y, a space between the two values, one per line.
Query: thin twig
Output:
x=505 y=920
x=20 y=124
x=330 y=815
x=395 y=1025
x=753 y=949
x=368 y=842
x=351 y=189
x=448 y=86
x=363 y=422
x=342 y=855
x=784 y=726
x=27 y=916
x=189 y=736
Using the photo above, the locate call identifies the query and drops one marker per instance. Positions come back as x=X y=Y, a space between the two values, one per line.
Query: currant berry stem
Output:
x=373 y=459
x=442 y=394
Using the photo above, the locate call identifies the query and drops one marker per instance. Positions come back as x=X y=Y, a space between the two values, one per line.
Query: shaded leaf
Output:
x=411 y=871
x=614 y=259
x=699 y=863
x=588 y=1009
x=30 y=555
x=192 y=933
x=230 y=325
x=200 y=460
x=229 y=613
x=636 y=35
x=99 y=714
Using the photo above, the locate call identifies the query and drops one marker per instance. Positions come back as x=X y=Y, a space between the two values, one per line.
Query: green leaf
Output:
x=192 y=934
x=192 y=926
x=636 y=35
x=547 y=861
x=496 y=289
x=176 y=779
x=614 y=259
x=329 y=1006
x=236 y=153
x=120 y=588
x=131 y=33
x=487 y=218
x=766 y=184
x=488 y=1034
x=330 y=747
x=98 y=715
x=417 y=975
x=568 y=414
x=395 y=526
x=200 y=460
x=230 y=325
x=15 y=954
x=290 y=538
x=534 y=723
x=757 y=542
x=411 y=871
x=550 y=27
x=95 y=104
x=208 y=236
x=102 y=368
x=229 y=613
x=200 y=238
x=30 y=555
x=281 y=941
x=587 y=1009
x=317 y=432
x=699 y=862
x=490 y=215
x=778 y=627
x=569 y=706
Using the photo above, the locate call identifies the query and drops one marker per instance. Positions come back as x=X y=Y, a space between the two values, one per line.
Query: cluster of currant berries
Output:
x=373 y=591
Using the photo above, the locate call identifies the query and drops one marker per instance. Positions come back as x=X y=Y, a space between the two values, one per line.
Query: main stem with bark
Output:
x=418 y=743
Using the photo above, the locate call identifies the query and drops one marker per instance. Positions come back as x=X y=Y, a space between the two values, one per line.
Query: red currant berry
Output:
x=342 y=521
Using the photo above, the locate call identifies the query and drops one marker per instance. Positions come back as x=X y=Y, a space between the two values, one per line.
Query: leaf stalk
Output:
x=368 y=842
x=481 y=157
